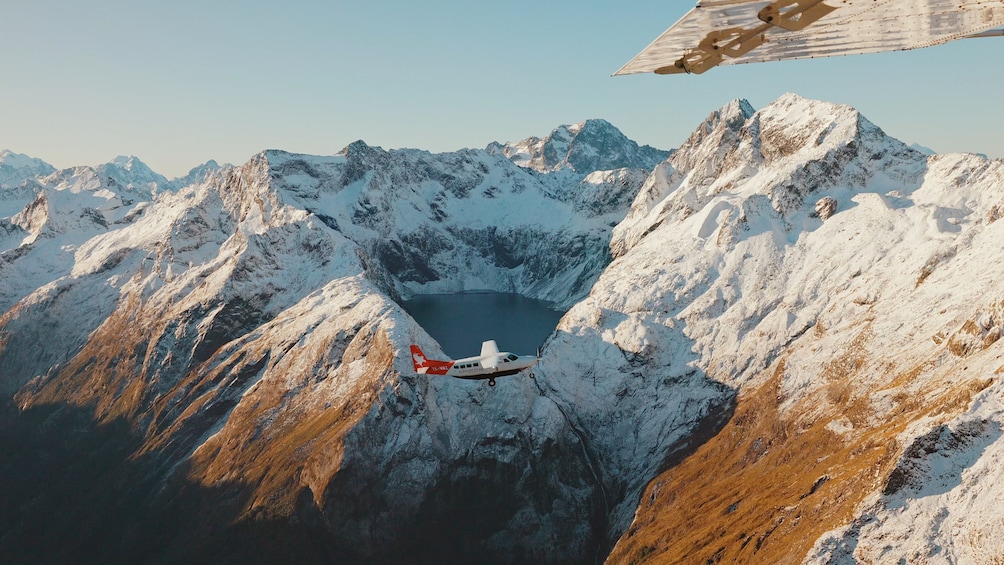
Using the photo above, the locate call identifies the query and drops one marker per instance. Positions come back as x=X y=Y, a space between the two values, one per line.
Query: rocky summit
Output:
x=783 y=338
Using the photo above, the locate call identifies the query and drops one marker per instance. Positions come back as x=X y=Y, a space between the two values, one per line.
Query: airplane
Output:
x=732 y=32
x=489 y=365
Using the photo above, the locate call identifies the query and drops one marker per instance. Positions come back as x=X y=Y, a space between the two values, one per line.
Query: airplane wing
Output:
x=489 y=354
x=489 y=348
x=731 y=32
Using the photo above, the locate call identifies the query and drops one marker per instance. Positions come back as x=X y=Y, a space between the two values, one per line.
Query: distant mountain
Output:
x=49 y=216
x=592 y=145
x=923 y=149
x=197 y=175
x=783 y=337
x=16 y=168
x=123 y=174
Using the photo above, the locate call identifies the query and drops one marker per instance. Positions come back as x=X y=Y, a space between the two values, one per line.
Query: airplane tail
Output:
x=425 y=366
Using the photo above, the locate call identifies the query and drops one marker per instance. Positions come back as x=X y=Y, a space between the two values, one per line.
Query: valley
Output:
x=775 y=339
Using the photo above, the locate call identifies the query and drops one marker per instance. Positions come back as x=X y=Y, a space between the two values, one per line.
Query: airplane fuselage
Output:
x=501 y=365
x=490 y=364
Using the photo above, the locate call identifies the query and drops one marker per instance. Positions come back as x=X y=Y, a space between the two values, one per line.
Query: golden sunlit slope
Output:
x=782 y=472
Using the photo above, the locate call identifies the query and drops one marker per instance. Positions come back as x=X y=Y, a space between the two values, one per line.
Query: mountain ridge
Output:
x=301 y=254
x=806 y=313
x=591 y=145
x=247 y=328
x=16 y=168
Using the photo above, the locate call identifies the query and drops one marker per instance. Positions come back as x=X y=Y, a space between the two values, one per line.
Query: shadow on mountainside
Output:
x=74 y=493
x=637 y=407
x=475 y=512
x=933 y=464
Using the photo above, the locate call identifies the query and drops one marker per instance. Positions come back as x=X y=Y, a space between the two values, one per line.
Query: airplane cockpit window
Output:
x=512 y=357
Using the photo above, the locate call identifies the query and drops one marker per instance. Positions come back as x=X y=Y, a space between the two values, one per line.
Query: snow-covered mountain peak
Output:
x=596 y=126
x=16 y=168
x=248 y=192
x=359 y=149
x=198 y=175
x=591 y=145
x=360 y=157
x=736 y=109
x=132 y=174
x=793 y=123
x=707 y=143
x=786 y=151
x=788 y=124
x=804 y=129
x=122 y=176
x=923 y=149
x=128 y=162
x=20 y=161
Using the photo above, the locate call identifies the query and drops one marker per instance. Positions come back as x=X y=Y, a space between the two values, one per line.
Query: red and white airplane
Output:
x=489 y=365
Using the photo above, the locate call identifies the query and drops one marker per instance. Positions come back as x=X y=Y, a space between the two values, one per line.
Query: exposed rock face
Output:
x=736 y=378
x=825 y=208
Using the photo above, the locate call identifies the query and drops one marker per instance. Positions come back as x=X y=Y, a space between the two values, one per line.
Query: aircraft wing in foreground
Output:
x=731 y=32
x=490 y=364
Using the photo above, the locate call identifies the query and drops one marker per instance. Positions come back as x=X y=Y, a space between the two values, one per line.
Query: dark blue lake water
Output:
x=460 y=322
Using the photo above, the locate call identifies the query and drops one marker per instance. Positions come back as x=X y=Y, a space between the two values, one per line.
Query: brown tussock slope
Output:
x=765 y=488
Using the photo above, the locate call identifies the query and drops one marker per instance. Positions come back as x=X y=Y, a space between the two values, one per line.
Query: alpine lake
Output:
x=461 y=322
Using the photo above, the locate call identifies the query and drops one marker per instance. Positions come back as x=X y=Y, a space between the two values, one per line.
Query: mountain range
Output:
x=782 y=345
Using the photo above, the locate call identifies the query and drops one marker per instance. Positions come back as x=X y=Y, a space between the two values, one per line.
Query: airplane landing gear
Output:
x=491 y=382
x=533 y=376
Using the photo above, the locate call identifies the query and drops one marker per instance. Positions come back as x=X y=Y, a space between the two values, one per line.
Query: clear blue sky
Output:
x=180 y=82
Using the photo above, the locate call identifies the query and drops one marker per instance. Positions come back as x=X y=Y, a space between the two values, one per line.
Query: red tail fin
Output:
x=426 y=366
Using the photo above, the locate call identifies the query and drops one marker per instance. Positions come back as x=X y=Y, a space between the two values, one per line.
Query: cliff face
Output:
x=773 y=344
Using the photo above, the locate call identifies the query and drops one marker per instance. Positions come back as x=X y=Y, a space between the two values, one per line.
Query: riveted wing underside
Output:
x=729 y=32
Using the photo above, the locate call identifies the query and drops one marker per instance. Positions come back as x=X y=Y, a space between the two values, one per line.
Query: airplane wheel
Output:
x=533 y=376
x=491 y=382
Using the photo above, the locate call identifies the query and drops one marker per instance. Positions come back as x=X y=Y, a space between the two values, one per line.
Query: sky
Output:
x=179 y=83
